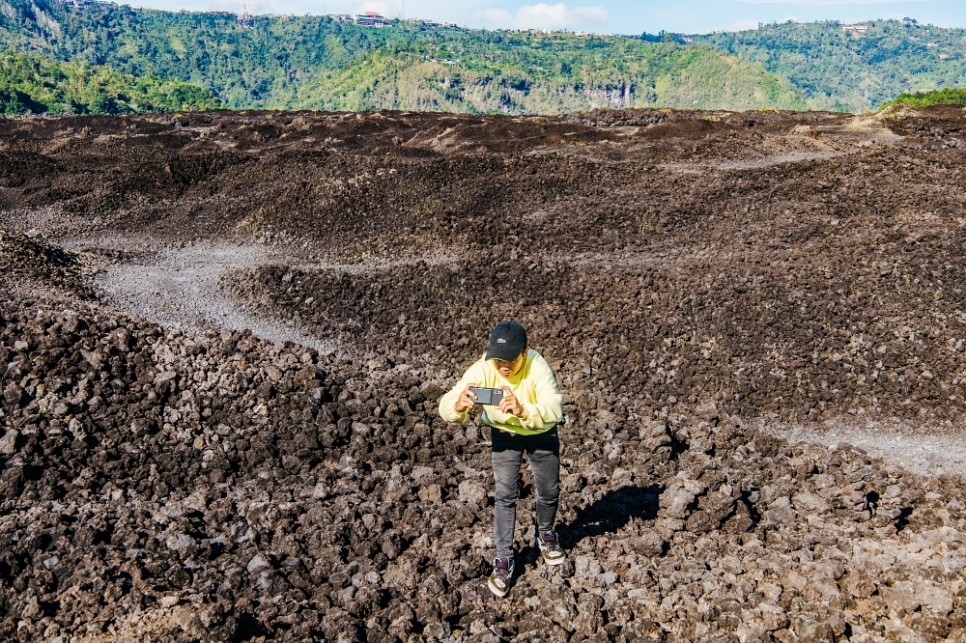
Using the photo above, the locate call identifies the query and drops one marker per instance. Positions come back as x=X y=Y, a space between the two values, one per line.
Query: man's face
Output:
x=509 y=369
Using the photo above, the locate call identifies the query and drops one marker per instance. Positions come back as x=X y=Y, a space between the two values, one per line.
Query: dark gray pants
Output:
x=543 y=452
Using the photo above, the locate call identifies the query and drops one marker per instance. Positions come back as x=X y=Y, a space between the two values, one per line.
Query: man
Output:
x=523 y=421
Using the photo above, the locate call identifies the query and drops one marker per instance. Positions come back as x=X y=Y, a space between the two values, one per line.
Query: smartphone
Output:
x=487 y=396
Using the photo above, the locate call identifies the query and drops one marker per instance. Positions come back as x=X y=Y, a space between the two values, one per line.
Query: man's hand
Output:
x=466 y=400
x=510 y=404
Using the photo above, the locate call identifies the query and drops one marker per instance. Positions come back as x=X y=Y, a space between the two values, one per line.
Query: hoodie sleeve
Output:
x=447 y=403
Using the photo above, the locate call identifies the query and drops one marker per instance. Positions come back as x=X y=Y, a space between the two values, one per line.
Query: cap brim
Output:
x=503 y=353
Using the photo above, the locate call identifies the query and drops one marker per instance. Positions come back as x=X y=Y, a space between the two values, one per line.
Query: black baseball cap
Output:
x=508 y=340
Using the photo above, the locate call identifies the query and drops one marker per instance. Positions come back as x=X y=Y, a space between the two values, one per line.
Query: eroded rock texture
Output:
x=699 y=281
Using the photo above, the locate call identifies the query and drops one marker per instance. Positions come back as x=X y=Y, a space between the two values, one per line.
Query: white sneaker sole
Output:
x=553 y=562
x=496 y=590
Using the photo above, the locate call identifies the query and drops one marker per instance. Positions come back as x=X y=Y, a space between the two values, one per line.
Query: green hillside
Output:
x=853 y=70
x=30 y=84
x=319 y=62
x=315 y=62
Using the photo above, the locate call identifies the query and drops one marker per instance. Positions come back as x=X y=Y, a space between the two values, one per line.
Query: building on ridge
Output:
x=370 y=19
x=856 y=30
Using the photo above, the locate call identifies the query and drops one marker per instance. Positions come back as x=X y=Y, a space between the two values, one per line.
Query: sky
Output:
x=630 y=17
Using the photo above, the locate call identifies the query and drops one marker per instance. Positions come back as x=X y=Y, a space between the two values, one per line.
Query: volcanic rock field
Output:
x=223 y=337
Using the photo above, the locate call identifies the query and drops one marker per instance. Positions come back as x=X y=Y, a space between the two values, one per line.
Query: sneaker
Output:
x=549 y=546
x=499 y=581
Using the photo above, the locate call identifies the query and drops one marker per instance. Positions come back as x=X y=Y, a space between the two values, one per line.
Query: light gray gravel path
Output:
x=179 y=288
x=925 y=450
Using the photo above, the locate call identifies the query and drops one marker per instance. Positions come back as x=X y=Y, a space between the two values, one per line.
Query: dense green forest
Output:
x=30 y=84
x=317 y=62
x=845 y=69
x=946 y=96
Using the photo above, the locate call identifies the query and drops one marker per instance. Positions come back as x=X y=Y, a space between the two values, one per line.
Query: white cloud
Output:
x=543 y=16
x=743 y=25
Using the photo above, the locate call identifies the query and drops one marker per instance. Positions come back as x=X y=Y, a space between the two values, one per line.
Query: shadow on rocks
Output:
x=612 y=512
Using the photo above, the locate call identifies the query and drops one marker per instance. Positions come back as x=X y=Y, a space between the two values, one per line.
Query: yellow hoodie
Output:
x=533 y=385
